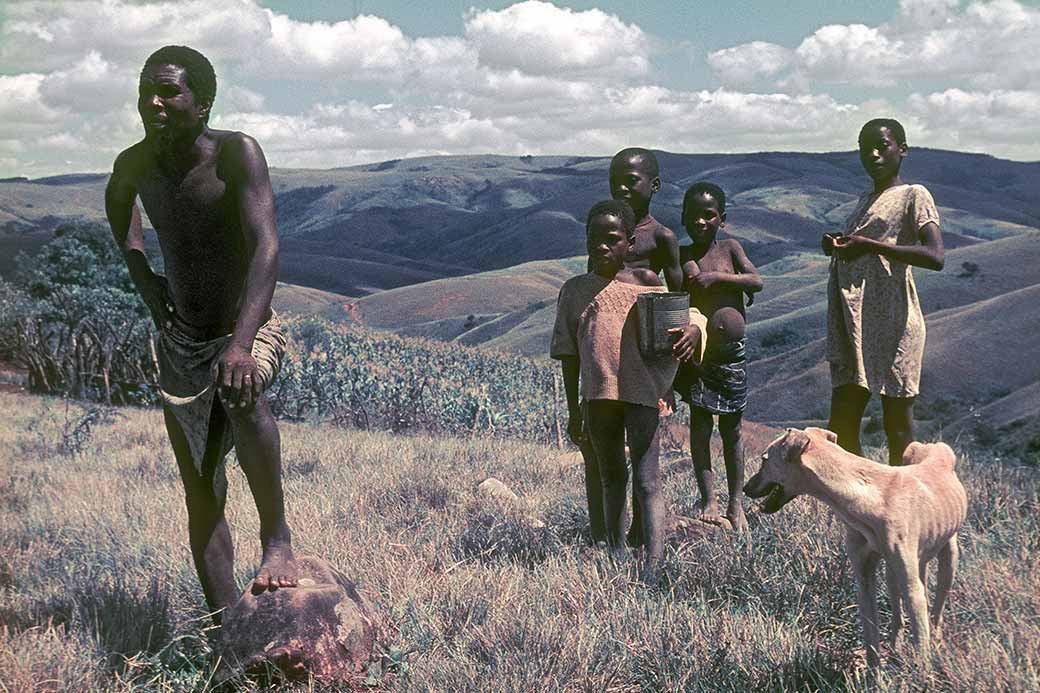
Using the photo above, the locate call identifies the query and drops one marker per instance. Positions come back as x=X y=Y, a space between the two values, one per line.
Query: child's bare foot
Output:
x=735 y=515
x=708 y=511
x=277 y=569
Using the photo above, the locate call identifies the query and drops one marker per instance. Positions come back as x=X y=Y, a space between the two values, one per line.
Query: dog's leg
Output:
x=908 y=572
x=864 y=567
x=894 y=590
x=948 y=556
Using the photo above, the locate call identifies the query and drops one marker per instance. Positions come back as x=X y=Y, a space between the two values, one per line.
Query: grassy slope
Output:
x=303 y=300
x=96 y=575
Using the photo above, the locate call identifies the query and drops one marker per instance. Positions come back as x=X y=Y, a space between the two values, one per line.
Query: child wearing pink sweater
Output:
x=595 y=339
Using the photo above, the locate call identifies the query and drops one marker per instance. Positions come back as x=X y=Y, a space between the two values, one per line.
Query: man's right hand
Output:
x=575 y=430
x=156 y=296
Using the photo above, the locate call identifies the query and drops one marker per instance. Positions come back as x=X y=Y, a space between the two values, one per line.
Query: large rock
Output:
x=323 y=628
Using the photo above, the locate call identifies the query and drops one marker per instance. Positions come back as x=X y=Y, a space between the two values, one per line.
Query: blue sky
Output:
x=340 y=82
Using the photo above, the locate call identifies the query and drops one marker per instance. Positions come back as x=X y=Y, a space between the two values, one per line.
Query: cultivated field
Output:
x=97 y=592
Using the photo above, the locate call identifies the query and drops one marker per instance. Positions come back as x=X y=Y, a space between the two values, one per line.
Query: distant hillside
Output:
x=363 y=229
x=474 y=249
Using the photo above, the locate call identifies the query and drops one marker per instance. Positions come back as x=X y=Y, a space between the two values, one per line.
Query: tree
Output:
x=75 y=322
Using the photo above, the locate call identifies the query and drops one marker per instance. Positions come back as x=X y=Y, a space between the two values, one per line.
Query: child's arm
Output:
x=571 y=368
x=929 y=255
x=668 y=252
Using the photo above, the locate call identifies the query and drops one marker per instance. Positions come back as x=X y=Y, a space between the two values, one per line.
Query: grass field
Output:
x=97 y=592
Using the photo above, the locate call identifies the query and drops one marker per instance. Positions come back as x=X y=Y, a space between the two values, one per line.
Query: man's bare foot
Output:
x=708 y=511
x=735 y=515
x=277 y=569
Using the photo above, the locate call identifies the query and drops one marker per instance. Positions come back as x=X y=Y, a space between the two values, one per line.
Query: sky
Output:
x=332 y=83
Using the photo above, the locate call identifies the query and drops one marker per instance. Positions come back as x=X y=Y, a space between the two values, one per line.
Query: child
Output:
x=875 y=327
x=595 y=336
x=634 y=178
x=717 y=274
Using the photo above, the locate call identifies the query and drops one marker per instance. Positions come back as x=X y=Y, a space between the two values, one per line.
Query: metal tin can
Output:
x=657 y=312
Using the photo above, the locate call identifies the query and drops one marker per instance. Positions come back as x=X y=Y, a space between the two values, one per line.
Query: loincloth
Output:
x=187 y=382
x=719 y=382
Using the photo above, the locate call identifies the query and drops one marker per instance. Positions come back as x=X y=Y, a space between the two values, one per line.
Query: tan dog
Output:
x=905 y=515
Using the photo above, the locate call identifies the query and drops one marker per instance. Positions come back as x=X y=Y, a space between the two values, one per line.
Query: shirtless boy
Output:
x=634 y=178
x=595 y=336
x=717 y=274
x=208 y=195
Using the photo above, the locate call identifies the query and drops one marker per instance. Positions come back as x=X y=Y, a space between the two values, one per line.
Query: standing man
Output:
x=208 y=195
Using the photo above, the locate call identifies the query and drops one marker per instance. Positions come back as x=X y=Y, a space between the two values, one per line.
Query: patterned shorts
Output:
x=719 y=382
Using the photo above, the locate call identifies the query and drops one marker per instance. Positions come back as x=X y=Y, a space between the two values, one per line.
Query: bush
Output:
x=73 y=320
x=374 y=380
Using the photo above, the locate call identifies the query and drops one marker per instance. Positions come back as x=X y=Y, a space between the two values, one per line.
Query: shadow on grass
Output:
x=124 y=618
x=498 y=532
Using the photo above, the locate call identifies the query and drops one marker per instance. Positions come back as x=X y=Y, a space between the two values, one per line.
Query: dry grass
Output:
x=97 y=590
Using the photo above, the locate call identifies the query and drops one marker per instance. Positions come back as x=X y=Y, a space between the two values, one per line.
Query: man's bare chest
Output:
x=199 y=195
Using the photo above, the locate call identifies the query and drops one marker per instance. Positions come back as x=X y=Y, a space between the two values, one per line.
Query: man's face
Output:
x=880 y=153
x=702 y=218
x=630 y=181
x=607 y=244
x=166 y=103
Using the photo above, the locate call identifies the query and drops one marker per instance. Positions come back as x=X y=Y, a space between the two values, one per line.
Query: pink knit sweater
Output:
x=596 y=321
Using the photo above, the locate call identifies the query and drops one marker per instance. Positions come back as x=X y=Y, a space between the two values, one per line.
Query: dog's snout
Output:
x=753 y=488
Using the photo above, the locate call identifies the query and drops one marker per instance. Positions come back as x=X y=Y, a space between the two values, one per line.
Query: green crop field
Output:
x=97 y=591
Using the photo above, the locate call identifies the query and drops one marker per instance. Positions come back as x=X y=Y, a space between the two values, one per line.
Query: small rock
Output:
x=570 y=459
x=322 y=628
x=493 y=488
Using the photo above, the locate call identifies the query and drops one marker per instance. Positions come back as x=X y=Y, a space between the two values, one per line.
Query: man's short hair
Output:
x=645 y=155
x=893 y=125
x=703 y=187
x=201 y=79
x=615 y=208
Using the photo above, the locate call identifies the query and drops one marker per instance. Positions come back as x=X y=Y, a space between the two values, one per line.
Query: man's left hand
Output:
x=238 y=379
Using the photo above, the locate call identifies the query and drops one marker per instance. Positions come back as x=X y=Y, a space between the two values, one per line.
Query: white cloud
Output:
x=45 y=36
x=91 y=85
x=990 y=44
x=977 y=121
x=927 y=13
x=531 y=78
x=239 y=98
x=22 y=110
x=750 y=61
x=540 y=38
x=364 y=47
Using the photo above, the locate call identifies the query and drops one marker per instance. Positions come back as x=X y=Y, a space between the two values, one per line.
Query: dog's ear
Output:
x=797 y=443
x=825 y=433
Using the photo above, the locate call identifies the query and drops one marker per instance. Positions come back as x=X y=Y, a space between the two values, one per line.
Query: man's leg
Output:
x=606 y=425
x=848 y=402
x=643 y=426
x=208 y=535
x=898 y=414
x=258 y=446
x=730 y=429
x=701 y=426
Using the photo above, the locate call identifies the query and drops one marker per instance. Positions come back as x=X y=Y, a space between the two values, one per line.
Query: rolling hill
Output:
x=473 y=249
